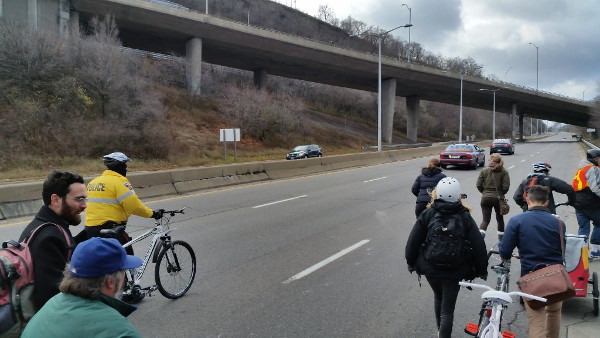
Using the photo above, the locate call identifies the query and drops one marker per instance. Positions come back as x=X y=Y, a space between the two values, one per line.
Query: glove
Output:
x=158 y=214
x=411 y=269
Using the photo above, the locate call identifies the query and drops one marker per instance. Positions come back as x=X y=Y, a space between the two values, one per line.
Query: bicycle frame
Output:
x=499 y=300
x=158 y=232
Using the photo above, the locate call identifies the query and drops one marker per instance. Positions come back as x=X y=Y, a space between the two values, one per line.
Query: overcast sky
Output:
x=496 y=34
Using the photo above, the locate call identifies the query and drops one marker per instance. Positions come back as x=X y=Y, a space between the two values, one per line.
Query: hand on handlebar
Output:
x=158 y=214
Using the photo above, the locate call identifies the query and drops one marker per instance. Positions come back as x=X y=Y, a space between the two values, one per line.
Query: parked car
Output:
x=463 y=155
x=502 y=145
x=306 y=151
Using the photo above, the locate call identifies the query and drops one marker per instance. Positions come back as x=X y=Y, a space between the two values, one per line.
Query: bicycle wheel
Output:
x=175 y=269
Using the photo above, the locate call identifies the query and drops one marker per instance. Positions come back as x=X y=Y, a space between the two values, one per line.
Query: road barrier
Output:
x=24 y=198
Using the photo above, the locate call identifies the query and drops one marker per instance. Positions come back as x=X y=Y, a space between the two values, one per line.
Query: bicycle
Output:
x=498 y=300
x=175 y=261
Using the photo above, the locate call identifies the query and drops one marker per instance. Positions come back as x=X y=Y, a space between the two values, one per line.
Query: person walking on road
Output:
x=425 y=183
x=541 y=176
x=64 y=197
x=493 y=183
x=536 y=234
x=446 y=259
x=587 y=199
x=88 y=304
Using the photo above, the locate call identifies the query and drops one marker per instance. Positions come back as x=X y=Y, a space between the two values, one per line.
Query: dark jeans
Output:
x=94 y=231
x=419 y=208
x=445 y=292
x=584 y=216
x=487 y=204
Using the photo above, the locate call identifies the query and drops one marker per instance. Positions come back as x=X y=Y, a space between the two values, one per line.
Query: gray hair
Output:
x=89 y=288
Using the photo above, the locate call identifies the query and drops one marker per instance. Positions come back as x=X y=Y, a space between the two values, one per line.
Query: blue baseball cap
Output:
x=98 y=257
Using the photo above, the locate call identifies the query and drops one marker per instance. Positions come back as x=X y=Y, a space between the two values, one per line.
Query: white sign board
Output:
x=591 y=130
x=229 y=135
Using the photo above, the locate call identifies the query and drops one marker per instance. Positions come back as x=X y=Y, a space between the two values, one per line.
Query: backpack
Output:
x=532 y=181
x=17 y=282
x=445 y=245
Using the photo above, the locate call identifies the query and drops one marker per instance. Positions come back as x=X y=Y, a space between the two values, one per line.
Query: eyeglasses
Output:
x=78 y=199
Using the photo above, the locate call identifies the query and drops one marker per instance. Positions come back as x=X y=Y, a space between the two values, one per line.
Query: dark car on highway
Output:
x=462 y=155
x=502 y=145
x=306 y=151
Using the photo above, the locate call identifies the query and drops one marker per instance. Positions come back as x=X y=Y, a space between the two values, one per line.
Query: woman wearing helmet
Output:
x=493 y=183
x=541 y=176
x=446 y=210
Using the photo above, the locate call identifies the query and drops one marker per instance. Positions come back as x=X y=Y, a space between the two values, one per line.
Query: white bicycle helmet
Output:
x=115 y=158
x=448 y=189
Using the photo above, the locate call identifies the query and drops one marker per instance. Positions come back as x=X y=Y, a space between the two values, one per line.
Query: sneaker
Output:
x=482 y=232
x=595 y=254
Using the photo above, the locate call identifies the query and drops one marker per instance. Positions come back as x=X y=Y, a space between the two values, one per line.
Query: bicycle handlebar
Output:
x=173 y=212
x=512 y=293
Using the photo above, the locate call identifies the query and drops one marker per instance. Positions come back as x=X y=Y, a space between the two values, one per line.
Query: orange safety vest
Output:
x=579 y=181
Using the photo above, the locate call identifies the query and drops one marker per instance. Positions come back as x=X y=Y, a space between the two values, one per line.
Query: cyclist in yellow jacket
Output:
x=111 y=199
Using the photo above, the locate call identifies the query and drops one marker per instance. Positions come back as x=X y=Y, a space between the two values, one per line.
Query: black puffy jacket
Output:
x=49 y=253
x=414 y=246
x=425 y=182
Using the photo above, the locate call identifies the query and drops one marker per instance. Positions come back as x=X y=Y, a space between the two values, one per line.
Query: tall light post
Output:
x=410 y=25
x=537 y=66
x=493 y=109
x=461 y=107
x=379 y=36
x=506 y=73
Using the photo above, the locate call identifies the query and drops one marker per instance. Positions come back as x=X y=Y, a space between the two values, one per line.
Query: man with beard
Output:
x=65 y=198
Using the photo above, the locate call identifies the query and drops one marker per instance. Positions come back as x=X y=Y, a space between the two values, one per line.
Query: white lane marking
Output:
x=285 y=200
x=523 y=161
x=512 y=166
x=375 y=179
x=326 y=261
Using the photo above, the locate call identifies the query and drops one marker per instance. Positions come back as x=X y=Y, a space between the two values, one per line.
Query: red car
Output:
x=463 y=155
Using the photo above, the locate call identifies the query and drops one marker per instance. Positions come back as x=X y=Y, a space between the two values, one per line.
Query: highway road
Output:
x=323 y=255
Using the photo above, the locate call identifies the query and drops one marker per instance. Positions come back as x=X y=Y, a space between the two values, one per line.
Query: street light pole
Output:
x=410 y=25
x=379 y=85
x=537 y=66
x=493 y=109
x=461 y=107
x=506 y=73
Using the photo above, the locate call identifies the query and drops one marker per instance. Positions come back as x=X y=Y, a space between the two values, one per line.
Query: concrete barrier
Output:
x=24 y=199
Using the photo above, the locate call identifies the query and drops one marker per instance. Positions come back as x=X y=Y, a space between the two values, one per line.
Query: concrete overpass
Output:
x=167 y=29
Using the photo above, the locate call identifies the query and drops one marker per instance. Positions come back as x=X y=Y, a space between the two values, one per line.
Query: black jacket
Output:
x=49 y=253
x=414 y=246
x=553 y=183
x=426 y=181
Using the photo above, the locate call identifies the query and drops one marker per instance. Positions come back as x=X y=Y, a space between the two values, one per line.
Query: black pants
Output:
x=94 y=231
x=419 y=208
x=445 y=292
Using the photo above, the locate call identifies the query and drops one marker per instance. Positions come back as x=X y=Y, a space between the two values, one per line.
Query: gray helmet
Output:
x=448 y=189
x=115 y=158
x=592 y=155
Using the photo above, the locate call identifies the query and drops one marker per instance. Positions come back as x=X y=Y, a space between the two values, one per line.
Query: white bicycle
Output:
x=498 y=301
x=175 y=261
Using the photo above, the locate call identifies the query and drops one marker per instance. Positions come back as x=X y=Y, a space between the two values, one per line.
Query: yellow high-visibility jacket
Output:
x=112 y=198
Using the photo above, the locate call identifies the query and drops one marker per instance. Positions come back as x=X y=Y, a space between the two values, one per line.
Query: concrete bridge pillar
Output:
x=521 y=128
x=260 y=79
x=193 y=72
x=513 y=119
x=412 y=117
x=63 y=17
x=74 y=22
x=32 y=14
x=388 y=99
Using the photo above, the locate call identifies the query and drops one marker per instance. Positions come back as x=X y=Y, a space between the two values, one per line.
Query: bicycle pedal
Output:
x=472 y=329
x=506 y=334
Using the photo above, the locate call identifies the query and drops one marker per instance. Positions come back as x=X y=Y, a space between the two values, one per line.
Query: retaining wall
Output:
x=24 y=199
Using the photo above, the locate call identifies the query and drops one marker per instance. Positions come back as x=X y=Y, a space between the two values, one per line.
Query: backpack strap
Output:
x=62 y=230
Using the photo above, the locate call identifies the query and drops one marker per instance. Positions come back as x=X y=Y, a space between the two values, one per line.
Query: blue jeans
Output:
x=445 y=292
x=584 y=216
